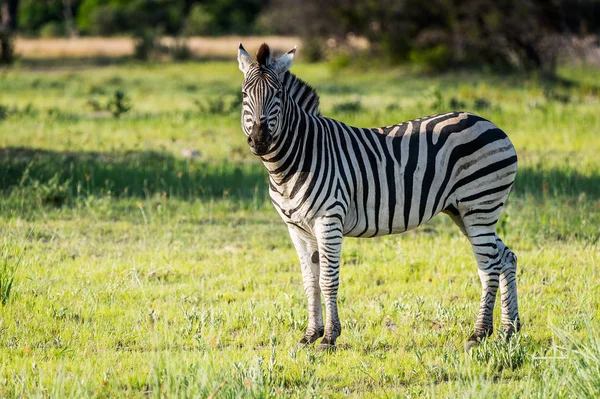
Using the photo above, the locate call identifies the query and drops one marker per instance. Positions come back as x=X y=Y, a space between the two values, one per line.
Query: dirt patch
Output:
x=90 y=47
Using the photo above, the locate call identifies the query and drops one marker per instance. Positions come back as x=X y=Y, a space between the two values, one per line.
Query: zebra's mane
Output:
x=301 y=93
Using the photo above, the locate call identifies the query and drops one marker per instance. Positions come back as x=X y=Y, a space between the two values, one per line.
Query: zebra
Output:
x=328 y=180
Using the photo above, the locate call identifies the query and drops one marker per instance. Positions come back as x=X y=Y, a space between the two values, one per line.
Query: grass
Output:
x=157 y=266
x=9 y=264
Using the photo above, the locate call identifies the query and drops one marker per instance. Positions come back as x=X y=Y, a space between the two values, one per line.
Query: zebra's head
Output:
x=263 y=94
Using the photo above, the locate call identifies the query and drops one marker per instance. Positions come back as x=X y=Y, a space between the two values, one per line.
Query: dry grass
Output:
x=89 y=47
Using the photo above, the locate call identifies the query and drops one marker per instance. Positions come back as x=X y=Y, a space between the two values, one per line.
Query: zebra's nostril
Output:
x=250 y=142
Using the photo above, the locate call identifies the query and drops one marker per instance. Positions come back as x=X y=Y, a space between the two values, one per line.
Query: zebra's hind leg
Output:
x=508 y=289
x=484 y=325
x=480 y=227
x=306 y=246
x=489 y=268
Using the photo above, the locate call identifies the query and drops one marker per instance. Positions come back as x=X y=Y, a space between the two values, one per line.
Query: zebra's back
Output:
x=400 y=176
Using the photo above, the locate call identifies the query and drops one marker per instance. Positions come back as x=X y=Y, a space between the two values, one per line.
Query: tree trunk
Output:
x=68 y=15
x=8 y=24
x=9 y=10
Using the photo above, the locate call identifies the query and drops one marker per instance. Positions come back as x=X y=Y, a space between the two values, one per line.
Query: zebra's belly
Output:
x=392 y=218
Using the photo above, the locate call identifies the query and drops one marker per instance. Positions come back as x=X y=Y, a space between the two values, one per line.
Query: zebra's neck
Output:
x=301 y=93
x=291 y=145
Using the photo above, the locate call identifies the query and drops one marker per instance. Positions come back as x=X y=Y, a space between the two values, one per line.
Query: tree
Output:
x=8 y=24
x=9 y=10
x=444 y=32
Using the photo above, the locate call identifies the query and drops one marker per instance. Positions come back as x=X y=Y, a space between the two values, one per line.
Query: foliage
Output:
x=36 y=16
x=52 y=29
x=440 y=33
x=348 y=107
x=219 y=105
x=113 y=17
x=435 y=35
x=118 y=104
x=180 y=50
x=200 y=22
x=435 y=58
x=148 y=45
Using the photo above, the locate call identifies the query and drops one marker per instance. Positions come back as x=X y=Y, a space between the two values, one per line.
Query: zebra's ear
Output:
x=244 y=59
x=284 y=63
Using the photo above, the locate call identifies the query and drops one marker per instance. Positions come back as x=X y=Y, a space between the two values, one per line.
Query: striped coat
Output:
x=329 y=180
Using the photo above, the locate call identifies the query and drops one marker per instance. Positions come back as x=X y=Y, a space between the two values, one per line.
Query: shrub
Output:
x=348 y=107
x=4 y=112
x=52 y=29
x=339 y=61
x=147 y=44
x=180 y=51
x=218 y=105
x=312 y=50
x=436 y=58
x=199 y=22
x=106 y=20
x=119 y=104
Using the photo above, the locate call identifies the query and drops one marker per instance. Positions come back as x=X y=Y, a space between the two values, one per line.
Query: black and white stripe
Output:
x=329 y=180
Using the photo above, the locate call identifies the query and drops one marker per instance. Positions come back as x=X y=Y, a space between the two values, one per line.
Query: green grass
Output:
x=151 y=274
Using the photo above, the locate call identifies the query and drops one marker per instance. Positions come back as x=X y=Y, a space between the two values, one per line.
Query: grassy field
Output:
x=148 y=261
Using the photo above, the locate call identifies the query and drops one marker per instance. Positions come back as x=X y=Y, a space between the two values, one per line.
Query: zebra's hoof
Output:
x=511 y=329
x=326 y=348
x=471 y=344
x=327 y=345
x=476 y=339
x=311 y=337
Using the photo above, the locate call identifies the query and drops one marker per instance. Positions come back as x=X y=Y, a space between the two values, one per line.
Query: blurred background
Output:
x=431 y=35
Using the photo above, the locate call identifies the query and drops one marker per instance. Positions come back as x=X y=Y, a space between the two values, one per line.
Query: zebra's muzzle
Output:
x=259 y=139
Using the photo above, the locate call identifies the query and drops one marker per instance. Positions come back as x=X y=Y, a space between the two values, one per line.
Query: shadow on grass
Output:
x=56 y=178
x=564 y=182
x=60 y=176
x=73 y=62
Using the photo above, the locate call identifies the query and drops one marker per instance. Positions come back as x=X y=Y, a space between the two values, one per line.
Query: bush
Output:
x=339 y=61
x=52 y=29
x=199 y=22
x=219 y=105
x=348 y=107
x=119 y=104
x=432 y=59
x=312 y=50
x=107 y=20
x=180 y=51
x=147 y=45
x=4 y=112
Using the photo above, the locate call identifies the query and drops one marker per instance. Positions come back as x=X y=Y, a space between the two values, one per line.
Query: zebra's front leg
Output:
x=306 y=246
x=329 y=239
